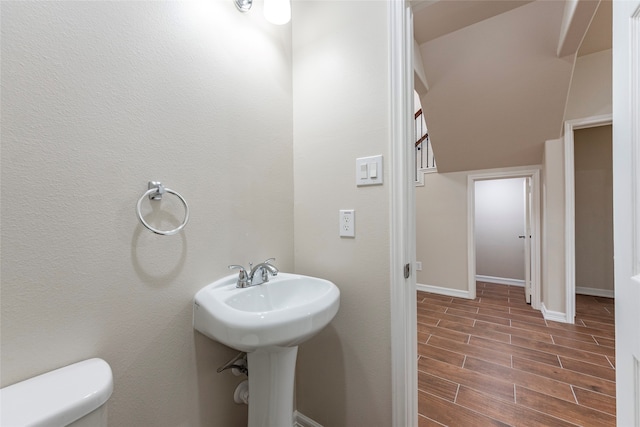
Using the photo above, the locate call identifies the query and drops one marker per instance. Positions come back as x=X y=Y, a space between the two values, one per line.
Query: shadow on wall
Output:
x=208 y=378
x=333 y=394
x=148 y=248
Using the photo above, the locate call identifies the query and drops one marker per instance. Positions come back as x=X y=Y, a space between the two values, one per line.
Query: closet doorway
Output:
x=590 y=174
x=503 y=230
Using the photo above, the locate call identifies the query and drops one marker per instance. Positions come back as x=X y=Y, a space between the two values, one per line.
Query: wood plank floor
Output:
x=496 y=361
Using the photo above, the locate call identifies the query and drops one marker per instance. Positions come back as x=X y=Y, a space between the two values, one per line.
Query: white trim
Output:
x=471 y=237
x=636 y=387
x=534 y=174
x=626 y=207
x=595 y=292
x=570 y=207
x=404 y=371
x=421 y=173
x=300 y=420
x=555 y=316
x=634 y=110
x=444 y=291
x=500 y=280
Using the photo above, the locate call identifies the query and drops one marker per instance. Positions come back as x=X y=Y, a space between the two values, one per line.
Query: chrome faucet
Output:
x=265 y=269
x=246 y=279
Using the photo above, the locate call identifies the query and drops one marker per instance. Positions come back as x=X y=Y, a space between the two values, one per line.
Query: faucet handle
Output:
x=267 y=268
x=243 y=278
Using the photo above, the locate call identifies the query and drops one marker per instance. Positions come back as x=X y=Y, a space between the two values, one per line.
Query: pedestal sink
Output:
x=268 y=322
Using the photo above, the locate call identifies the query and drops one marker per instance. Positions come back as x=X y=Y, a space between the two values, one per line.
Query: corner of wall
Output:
x=553 y=252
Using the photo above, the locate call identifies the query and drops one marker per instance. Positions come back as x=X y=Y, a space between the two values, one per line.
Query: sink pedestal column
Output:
x=271 y=378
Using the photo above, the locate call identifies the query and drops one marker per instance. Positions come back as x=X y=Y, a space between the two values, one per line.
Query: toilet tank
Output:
x=71 y=396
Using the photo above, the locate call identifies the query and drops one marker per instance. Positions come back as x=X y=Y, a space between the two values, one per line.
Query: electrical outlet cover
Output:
x=347 y=223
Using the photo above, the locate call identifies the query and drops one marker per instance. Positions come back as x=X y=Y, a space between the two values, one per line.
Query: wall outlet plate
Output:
x=347 y=223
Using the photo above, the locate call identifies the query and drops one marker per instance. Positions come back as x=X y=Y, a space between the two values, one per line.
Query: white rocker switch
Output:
x=364 y=173
x=369 y=170
x=373 y=170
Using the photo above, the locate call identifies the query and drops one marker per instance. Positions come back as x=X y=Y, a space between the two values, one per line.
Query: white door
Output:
x=626 y=206
x=527 y=239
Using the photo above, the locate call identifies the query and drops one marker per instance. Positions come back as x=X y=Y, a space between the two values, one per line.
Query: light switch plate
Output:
x=369 y=170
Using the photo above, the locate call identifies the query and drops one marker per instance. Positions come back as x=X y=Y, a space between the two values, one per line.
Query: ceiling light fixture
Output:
x=243 y=5
x=277 y=12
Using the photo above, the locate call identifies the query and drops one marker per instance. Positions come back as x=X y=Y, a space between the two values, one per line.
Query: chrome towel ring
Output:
x=155 y=192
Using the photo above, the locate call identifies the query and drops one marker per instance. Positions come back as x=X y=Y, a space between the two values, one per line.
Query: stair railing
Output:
x=425 y=160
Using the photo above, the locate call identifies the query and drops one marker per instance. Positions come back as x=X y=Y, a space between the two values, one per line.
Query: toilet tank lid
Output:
x=59 y=397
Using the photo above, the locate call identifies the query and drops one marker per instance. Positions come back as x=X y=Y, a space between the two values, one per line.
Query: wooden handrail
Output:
x=425 y=136
x=425 y=150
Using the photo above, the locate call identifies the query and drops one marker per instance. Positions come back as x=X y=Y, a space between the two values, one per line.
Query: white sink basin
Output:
x=284 y=312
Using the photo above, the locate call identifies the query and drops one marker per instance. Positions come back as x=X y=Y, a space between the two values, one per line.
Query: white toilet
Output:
x=75 y=395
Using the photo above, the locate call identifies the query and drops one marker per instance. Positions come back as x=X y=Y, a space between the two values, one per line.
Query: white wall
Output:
x=341 y=112
x=97 y=99
x=553 y=265
x=590 y=92
x=589 y=95
x=499 y=220
x=441 y=230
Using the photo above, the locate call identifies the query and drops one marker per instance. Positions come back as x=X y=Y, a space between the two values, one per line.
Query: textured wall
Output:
x=341 y=112
x=97 y=99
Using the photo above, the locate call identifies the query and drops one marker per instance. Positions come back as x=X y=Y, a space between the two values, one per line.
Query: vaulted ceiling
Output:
x=494 y=76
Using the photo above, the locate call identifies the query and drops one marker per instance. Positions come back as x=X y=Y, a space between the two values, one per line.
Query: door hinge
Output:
x=407 y=271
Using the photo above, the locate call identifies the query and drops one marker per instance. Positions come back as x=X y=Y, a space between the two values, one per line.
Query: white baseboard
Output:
x=555 y=316
x=595 y=292
x=300 y=420
x=500 y=280
x=443 y=291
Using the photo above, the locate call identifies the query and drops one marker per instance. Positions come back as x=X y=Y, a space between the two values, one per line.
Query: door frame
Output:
x=534 y=174
x=570 y=206
x=626 y=207
x=528 y=215
x=404 y=347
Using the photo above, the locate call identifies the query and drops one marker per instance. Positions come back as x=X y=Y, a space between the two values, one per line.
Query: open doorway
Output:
x=502 y=216
x=593 y=174
x=571 y=127
x=527 y=196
